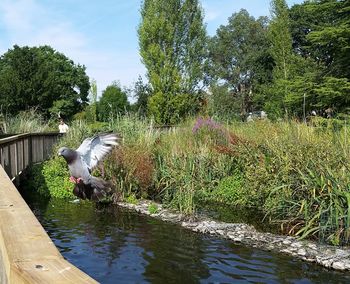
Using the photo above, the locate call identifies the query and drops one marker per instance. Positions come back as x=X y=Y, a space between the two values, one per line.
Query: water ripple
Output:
x=116 y=245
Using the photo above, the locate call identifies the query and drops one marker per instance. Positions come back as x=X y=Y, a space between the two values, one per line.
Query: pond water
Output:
x=114 y=245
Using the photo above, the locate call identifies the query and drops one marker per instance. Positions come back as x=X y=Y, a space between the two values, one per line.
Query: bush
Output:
x=230 y=191
x=51 y=179
x=153 y=208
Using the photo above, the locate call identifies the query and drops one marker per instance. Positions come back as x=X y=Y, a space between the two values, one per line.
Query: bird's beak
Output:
x=59 y=153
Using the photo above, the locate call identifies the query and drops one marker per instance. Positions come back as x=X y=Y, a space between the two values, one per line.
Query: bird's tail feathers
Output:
x=101 y=185
x=97 y=190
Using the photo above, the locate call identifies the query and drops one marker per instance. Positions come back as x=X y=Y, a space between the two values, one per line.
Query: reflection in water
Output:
x=115 y=245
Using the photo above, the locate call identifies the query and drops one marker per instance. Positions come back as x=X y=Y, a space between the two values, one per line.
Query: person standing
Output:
x=63 y=128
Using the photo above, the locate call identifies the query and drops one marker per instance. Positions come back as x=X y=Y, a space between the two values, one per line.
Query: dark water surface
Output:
x=114 y=245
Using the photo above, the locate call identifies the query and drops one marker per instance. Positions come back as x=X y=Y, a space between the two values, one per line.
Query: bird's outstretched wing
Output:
x=93 y=149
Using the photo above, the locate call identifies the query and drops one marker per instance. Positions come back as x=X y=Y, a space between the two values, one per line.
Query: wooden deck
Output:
x=27 y=254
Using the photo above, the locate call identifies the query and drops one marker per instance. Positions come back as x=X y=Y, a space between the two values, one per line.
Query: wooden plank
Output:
x=13 y=138
x=35 y=158
x=13 y=161
x=20 y=155
x=26 y=152
x=27 y=252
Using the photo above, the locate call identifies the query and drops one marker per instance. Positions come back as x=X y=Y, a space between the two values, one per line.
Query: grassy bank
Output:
x=26 y=122
x=297 y=175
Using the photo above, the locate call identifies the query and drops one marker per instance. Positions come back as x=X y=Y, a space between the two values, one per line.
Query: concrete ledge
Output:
x=27 y=254
x=328 y=256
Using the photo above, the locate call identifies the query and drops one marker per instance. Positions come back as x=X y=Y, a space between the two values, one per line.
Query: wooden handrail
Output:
x=27 y=254
x=20 y=136
x=19 y=151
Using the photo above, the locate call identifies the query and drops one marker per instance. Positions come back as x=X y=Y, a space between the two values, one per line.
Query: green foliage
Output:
x=239 y=56
x=132 y=199
x=223 y=104
x=153 y=208
x=51 y=179
x=281 y=39
x=330 y=36
x=172 y=40
x=91 y=110
x=172 y=109
x=25 y=122
x=42 y=78
x=66 y=108
x=114 y=101
x=142 y=92
x=333 y=92
x=230 y=191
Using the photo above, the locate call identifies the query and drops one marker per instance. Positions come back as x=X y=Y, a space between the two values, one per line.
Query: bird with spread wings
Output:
x=83 y=160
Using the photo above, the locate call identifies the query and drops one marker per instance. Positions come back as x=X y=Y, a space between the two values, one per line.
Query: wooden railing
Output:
x=19 y=151
x=27 y=254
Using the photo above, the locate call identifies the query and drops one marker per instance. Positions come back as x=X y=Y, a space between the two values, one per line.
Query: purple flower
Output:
x=209 y=123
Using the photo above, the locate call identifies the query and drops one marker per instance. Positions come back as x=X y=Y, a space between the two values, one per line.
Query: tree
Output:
x=281 y=39
x=114 y=101
x=223 y=103
x=142 y=92
x=239 y=57
x=281 y=50
x=92 y=108
x=43 y=78
x=321 y=31
x=172 y=41
x=321 y=34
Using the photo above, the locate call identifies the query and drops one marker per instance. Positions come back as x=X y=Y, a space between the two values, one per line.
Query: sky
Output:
x=102 y=35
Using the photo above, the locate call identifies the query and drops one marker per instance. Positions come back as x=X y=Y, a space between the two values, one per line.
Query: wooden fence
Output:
x=27 y=254
x=19 y=151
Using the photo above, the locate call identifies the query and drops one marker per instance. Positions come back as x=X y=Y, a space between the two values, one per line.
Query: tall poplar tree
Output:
x=281 y=50
x=172 y=41
x=281 y=39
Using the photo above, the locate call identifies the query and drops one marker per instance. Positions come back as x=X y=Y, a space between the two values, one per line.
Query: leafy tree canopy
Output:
x=239 y=57
x=142 y=92
x=42 y=78
x=114 y=101
x=172 y=41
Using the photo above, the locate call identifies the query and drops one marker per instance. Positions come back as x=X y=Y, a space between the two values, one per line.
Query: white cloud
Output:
x=27 y=22
x=19 y=15
x=210 y=13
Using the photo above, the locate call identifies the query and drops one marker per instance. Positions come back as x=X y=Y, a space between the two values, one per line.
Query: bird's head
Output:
x=68 y=154
x=62 y=151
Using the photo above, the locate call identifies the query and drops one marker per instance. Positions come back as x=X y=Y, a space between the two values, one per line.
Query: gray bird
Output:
x=81 y=162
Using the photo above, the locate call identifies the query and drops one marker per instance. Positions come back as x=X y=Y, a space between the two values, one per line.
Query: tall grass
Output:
x=303 y=174
x=297 y=174
x=24 y=122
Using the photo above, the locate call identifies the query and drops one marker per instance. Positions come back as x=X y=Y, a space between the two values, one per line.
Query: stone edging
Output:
x=325 y=255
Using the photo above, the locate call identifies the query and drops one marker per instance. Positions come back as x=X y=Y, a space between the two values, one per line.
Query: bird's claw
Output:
x=72 y=179
x=75 y=180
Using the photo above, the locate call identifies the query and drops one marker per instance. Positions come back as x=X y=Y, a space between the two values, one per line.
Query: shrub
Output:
x=153 y=208
x=51 y=179
x=131 y=199
x=230 y=191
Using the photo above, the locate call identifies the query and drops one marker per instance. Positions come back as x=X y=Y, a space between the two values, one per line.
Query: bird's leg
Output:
x=79 y=180
x=72 y=179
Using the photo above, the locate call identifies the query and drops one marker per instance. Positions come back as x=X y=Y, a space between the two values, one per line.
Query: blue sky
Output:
x=102 y=35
